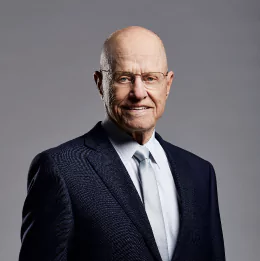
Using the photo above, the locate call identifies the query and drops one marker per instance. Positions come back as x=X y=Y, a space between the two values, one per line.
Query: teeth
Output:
x=137 y=108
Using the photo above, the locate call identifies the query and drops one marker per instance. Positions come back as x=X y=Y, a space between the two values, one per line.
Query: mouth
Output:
x=136 y=108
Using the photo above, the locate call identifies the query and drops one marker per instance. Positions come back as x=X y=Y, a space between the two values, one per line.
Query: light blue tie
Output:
x=151 y=200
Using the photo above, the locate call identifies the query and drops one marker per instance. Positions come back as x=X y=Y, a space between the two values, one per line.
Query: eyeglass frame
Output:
x=108 y=71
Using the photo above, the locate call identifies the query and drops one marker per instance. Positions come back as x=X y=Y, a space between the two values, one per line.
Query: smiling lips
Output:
x=137 y=108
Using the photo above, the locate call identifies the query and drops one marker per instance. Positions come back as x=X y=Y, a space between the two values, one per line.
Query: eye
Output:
x=124 y=79
x=150 y=78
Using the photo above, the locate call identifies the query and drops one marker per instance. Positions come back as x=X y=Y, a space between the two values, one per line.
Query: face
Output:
x=135 y=107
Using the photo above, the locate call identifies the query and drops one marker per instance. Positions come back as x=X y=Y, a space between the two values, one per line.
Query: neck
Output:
x=142 y=137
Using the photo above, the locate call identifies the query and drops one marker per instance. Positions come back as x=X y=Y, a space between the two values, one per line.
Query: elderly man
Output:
x=120 y=192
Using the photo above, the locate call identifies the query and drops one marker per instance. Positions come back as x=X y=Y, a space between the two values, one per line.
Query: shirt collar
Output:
x=124 y=144
x=152 y=146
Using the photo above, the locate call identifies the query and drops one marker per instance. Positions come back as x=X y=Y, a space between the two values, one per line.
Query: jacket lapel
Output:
x=108 y=165
x=181 y=170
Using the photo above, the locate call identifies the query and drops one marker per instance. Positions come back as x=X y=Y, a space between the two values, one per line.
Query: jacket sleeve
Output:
x=218 y=251
x=47 y=215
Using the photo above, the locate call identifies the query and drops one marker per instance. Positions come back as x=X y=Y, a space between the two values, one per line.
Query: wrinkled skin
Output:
x=136 y=50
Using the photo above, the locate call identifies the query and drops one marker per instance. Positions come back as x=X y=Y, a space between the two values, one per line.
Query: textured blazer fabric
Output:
x=81 y=205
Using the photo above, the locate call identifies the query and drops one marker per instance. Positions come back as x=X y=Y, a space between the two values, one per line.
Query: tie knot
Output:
x=142 y=153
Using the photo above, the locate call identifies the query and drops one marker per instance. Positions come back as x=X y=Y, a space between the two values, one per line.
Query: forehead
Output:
x=137 y=63
x=137 y=53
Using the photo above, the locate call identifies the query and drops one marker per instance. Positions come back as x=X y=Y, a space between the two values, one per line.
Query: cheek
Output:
x=113 y=97
x=160 y=108
x=159 y=99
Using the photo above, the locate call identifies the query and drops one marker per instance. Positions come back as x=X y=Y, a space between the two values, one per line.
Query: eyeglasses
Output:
x=126 y=79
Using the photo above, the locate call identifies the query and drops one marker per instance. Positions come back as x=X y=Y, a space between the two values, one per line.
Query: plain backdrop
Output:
x=49 y=50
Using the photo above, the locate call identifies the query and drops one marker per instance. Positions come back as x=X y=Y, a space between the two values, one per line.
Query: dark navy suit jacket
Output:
x=82 y=205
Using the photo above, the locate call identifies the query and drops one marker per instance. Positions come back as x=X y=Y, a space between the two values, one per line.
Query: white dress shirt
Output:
x=125 y=146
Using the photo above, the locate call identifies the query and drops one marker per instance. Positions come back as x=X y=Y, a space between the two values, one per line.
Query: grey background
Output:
x=49 y=51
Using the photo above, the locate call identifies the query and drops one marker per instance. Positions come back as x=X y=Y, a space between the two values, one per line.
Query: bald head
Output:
x=136 y=44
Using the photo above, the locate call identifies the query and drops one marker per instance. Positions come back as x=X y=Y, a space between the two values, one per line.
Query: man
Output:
x=120 y=192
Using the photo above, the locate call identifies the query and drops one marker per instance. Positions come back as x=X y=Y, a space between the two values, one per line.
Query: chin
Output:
x=138 y=125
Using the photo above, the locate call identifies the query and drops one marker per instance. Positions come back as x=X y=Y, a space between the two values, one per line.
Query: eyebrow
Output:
x=137 y=73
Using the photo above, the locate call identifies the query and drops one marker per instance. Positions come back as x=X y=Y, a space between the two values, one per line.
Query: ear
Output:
x=170 y=78
x=98 y=80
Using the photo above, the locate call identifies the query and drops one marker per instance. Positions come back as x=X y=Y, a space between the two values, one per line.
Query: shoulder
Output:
x=53 y=164
x=67 y=156
x=60 y=154
x=185 y=154
x=184 y=157
x=196 y=168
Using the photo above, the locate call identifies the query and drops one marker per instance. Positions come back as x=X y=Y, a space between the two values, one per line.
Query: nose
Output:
x=138 y=91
